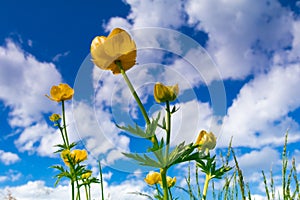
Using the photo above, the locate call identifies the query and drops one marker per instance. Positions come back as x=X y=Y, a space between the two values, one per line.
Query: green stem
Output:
x=163 y=174
x=90 y=192
x=78 y=189
x=62 y=134
x=132 y=90
x=168 y=129
x=64 y=124
x=101 y=180
x=72 y=184
x=207 y=179
x=86 y=192
x=171 y=197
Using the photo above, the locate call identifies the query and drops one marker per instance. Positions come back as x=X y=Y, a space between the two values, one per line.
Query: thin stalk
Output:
x=89 y=192
x=64 y=124
x=168 y=129
x=197 y=182
x=73 y=190
x=163 y=174
x=78 y=189
x=101 y=180
x=86 y=192
x=62 y=134
x=171 y=197
x=133 y=92
x=207 y=178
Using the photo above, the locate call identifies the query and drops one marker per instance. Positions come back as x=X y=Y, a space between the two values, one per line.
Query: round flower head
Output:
x=207 y=141
x=116 y=47
x=55 y=117
x=78 y=155
x=163 y=93
x=61 y=92
x=153 y=178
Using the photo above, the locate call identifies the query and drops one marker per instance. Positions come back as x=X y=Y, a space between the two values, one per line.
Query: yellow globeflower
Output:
x=117 y=46
x=86 y=175
x=78 y=155
x=61 y=92
x=64 y=156
x=170 y=181
x=163 y=93
x=152 y=178
x=55 y=117
x=207 y=141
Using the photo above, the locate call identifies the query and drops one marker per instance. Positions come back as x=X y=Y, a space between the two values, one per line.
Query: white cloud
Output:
x=164 y=13
x=10 y=175
x=260 y=111
x=40 y=191
x=38 y=138
x=23 y=83
x=8 y=157
x=242 y=35
x=257 y=160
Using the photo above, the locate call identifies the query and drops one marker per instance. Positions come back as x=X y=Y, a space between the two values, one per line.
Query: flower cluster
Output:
x=118 y=52
x=72 y=158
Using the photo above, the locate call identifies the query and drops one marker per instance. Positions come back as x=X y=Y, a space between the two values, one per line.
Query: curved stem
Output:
x=168 y=129
x=163 y=174
x=133 y=92
x=207 y=179
x=62 y=134
x=64 y=124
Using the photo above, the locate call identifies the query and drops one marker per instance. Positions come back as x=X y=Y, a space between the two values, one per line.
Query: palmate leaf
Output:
x=138 y=131
x=144 y=160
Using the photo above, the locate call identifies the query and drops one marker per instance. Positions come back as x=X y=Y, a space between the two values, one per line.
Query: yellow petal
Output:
x=118 y=46
x=164 y=93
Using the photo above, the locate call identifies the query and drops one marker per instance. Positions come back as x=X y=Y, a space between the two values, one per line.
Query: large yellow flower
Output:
x=163 y=93
x=76 y=156
x=61 y=92
x=207 y=141
x=117 y=46
x=153 y=178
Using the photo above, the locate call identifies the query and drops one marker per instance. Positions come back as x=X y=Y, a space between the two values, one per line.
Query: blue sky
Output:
x=244 y=84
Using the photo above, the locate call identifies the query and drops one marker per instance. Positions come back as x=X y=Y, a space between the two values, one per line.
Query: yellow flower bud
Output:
x=207 y=141
x=61 y=92
x=163 y=93
x=86 y=175
x=152 y=178
x=170 y=181
x=117 y=46
x=55 y=117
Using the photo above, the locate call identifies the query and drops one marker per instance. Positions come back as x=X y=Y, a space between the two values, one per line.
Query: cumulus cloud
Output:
x=158 y=17
x=260 y=111
x=23 y=83
x=8 y=157
x=39 y=190
x=251 y=37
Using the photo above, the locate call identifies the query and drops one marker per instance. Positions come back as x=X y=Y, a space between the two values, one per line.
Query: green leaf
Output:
x=144 y=160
